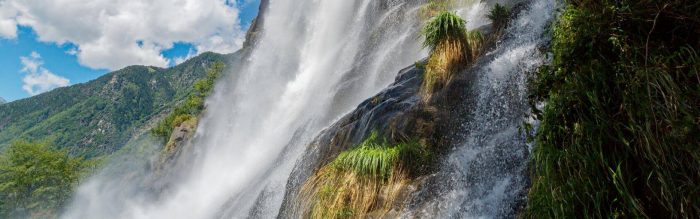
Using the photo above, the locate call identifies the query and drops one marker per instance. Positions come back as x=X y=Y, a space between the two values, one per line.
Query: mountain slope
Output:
x=100 y=116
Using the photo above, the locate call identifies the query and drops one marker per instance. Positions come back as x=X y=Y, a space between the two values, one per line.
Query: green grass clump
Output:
x=499 y=16
x=379 y=160
x=620 y=131
x=362 y=180
x=192 y=107
x=452 y=48
x=443 y=27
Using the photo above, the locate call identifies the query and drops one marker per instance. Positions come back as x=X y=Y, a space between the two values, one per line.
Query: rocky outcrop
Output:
x=399 y=114
x=396 y=113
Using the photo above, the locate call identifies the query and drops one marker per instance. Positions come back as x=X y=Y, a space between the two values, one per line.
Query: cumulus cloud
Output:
x=112 y=34
x=39 y=79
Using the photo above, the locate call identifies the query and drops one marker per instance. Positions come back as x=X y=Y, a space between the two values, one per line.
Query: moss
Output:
x=619 y=134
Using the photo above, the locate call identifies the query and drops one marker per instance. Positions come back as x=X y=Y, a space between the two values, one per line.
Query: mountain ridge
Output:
x=100 y=116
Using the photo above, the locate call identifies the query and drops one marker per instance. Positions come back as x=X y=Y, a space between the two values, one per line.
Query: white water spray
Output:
x=486 y=175
x=314 y=61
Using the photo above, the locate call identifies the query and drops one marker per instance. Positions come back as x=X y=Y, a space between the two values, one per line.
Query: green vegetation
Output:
x=192 y=107
x=36 y=180
x=99 y=117
x=452 y=48
x=375 y=159
x=499 y=16
x=363 y=180
x=620 y=129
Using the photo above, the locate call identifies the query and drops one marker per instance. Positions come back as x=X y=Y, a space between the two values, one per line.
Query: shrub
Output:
x=452 y=48
x=36 y=179
x=619 y=135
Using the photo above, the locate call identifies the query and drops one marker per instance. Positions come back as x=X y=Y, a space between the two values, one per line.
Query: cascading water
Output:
x=485 y=175
x=315 y=61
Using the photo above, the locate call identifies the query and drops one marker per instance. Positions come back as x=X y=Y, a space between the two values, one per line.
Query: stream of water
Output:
x=315 y=61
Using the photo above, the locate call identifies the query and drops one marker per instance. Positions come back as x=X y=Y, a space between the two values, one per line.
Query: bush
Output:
x=619 y=134
x=36 y=179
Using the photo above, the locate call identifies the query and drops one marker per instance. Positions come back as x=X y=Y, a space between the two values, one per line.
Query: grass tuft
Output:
x=452 y=49
x=361 y=181
x=499 y=16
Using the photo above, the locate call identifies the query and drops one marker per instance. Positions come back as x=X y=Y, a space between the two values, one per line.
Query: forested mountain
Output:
x=100 y=116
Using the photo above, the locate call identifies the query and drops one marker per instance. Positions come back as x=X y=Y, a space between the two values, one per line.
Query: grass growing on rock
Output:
x=499 y=16
x=362 y=181
x=620 y=131
x=452 y=48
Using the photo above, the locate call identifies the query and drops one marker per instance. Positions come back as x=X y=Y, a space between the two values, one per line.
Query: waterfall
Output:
x=314 y=62
x=485 y=176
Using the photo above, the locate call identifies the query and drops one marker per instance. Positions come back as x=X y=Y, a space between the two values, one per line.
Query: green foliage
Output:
x=452 y=48
x=499 y=16
x=375 y=158
x=192 y=107
x=37 y=180
x=443 y=27
x=365 y=179
x=99 y=117
x=619 y=135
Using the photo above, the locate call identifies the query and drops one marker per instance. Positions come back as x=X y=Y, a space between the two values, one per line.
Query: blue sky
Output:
x=54 y=55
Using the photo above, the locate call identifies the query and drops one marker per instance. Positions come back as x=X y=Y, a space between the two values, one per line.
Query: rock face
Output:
x=396 y=113
x=2 y=101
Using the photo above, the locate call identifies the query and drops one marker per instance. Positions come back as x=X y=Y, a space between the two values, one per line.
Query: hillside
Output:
x=100 y=116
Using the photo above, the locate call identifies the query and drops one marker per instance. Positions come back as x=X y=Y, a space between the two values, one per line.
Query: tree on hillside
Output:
x=36 y=180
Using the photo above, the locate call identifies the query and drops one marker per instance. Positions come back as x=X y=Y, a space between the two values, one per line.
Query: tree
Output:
x=36 y=179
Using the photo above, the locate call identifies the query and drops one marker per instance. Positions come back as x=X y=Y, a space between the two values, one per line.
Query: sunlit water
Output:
x=485 y=176
x=315 y=61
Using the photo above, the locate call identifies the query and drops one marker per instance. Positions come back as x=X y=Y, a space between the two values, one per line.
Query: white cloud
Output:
x=39 y=79
x=113 y=34
x=8 y=27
